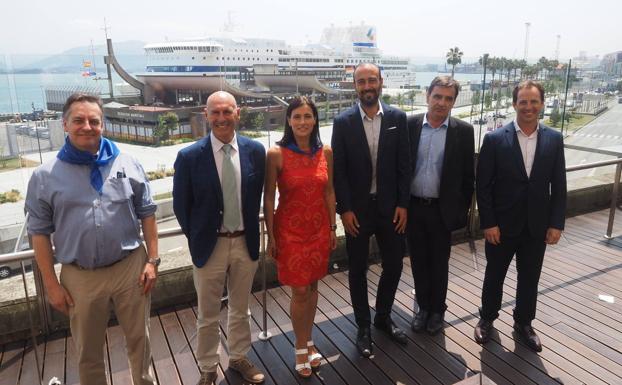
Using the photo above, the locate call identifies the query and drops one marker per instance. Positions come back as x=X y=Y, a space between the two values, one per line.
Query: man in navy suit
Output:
x=521 y=195
x=372 y=173
x=216 y=197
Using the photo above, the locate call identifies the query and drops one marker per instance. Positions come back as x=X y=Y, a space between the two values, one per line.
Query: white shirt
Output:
x=372 y=132
x=527 y=146
x=219 y=155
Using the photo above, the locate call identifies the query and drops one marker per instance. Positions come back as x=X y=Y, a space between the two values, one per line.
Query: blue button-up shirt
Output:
x=89 y=229
x=427 y=175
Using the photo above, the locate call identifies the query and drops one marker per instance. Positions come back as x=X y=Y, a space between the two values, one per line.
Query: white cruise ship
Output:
x=254 y=65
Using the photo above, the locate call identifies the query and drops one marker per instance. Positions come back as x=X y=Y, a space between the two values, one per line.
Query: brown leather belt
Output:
x=234 y=234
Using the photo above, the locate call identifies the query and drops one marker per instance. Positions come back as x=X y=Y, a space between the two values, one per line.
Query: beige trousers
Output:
x=93 y=293
x=229 y=261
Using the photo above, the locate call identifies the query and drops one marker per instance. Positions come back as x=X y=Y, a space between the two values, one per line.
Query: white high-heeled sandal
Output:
x=315 y=357
x=303 y=370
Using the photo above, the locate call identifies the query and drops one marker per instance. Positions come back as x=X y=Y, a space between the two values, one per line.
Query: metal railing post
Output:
x=33 y=337
x=264 y=335
x=614 y=200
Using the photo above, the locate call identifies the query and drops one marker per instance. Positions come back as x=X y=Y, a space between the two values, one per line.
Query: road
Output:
x=604 y=132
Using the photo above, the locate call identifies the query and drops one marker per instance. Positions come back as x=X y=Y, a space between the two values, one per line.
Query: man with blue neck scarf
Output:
x=95 y=200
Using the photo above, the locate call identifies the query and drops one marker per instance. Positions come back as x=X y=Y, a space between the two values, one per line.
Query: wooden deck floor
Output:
x=581 y=334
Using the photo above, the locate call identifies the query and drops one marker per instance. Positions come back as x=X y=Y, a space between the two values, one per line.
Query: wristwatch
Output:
x=154 y=261
x=333 y=227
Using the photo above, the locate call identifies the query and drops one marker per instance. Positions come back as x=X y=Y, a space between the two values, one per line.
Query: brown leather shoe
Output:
x=528 y=336
x=483 y=330
x=208 y=378
x=247 y=370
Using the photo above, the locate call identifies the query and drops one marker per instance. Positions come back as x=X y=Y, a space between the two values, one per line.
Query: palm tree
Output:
x=454 y=56
x=543 y=64
x=520 y=64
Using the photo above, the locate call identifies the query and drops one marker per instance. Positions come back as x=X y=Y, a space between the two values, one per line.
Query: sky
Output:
x=404 y=27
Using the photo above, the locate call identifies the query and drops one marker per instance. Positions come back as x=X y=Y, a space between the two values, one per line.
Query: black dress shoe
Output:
x=528 y=336
x=435 y=323
x=483 y=330
x=363 y=342
x=419 y=321
x=389 y=327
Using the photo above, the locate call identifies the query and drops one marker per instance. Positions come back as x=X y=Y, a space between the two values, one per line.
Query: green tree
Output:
x=476 y=99
x=619 y=86
x=488 y=99
x=555 y=117
x=245 y=117
x=411 y=95
x=386 y=98
x=399 y=99
x=167 y=122
x=454 y=57
x=258 y=120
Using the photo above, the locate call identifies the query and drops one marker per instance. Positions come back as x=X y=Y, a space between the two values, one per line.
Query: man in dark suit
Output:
x=441 y=190
x=521 y=195
x=216 y=197
x=372 y=171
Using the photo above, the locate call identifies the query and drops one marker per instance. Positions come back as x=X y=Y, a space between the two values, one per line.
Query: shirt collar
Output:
x=519 y=130
x=217 y=144
x=445 y=123
x=364 y=115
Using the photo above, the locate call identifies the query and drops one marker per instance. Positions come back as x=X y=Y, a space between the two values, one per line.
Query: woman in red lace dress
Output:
x=301 y=234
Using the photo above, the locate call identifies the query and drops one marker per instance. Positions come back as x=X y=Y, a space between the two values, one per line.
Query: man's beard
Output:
x=369 y=99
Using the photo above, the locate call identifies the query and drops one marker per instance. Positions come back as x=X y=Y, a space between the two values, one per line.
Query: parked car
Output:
x=620 y=100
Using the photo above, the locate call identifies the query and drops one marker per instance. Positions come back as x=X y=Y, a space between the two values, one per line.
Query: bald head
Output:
x=221 y=97
x=223 y=115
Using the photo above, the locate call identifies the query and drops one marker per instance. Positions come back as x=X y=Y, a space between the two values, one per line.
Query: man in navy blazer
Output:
x=372 y=172
x=216 y=197
x=521 y=195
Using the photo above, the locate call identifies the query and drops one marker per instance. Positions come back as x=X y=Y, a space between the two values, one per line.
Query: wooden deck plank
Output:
x=165 y=368
x=11 y=363
x=180 y=348
x=29 y=373
x=71 y=362
x=55 y=357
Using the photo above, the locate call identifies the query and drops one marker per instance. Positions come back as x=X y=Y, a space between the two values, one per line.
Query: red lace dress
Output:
x=301 y=226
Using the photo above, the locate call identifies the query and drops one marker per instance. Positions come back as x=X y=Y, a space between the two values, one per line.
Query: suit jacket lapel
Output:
x=414 y=142
x=541 y=145
x=450 y=144
x=210 y=164
x=244 y=166
x=358 y=131
x=383 y=131
x=512 y=139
